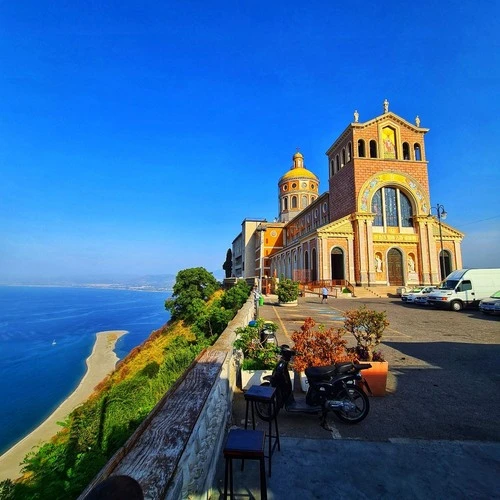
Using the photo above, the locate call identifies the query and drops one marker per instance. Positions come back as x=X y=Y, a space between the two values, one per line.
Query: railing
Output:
x=332 y=285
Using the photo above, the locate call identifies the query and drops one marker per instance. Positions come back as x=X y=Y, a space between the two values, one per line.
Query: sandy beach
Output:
x=100 y=363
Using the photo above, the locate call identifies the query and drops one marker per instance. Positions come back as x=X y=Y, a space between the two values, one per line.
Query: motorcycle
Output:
x=333 y=388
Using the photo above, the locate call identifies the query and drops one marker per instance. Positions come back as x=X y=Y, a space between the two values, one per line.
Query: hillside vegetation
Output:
x=92 y=433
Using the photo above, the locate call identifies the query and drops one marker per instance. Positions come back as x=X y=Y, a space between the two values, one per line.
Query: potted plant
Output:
x=346 y=292
x=318 y=347
x=259 y=356
x=367 y=327
x=288 y=292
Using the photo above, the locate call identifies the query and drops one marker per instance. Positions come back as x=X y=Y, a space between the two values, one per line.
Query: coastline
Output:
x=100 y=363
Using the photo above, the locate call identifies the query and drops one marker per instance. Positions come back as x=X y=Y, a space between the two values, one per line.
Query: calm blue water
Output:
x=35 y=375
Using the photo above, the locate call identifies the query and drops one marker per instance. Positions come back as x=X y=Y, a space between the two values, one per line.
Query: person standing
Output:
x=324 y=291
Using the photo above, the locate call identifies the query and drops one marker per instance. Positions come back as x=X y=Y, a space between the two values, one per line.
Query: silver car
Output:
x=491 y=305
x=420 y=296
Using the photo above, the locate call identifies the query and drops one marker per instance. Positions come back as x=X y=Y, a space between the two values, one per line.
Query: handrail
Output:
x=311 y=285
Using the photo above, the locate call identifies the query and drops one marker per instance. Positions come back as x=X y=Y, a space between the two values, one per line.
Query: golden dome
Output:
x=300 y=173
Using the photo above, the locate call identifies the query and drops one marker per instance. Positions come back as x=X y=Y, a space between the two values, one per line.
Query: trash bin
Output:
x=261 y=301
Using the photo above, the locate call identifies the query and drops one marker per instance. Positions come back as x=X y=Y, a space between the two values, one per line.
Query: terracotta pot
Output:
x=376 y=376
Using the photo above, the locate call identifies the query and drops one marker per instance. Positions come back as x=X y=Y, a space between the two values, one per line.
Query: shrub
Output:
x=287 y=290
x=367 y=327
x=257 y=355
x=319 y=347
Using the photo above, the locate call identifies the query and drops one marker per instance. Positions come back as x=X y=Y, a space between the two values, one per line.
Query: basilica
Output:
x=375 y=225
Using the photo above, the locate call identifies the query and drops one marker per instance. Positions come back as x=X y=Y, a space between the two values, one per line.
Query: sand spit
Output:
x=100 y=363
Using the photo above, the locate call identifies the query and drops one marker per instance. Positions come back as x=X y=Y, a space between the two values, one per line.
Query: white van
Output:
x=465 y=287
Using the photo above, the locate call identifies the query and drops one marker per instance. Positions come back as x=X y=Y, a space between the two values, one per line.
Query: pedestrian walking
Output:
x=324 y=291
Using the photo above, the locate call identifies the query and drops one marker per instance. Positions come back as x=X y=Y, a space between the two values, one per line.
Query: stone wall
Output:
x=174 y=452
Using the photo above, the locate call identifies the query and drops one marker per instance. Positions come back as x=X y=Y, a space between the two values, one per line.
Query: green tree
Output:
x=236 y=296
x=192 y=287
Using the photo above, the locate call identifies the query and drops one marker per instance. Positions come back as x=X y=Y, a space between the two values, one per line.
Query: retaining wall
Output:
x=174 y=452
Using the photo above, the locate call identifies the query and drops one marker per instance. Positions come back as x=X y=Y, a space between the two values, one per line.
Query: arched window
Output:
x=361 y=148
x=332 y=171
x=392 y=208
x=294 y=202
x=373 y=149
x=377 y=208
x=349 y=152
x=343 y=157
x=304 y=201
x=406 y=151
x=416 y=149
x=337 y=163
x=285 y=203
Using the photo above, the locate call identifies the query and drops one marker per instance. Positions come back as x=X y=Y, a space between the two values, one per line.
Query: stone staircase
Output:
x=372 y=292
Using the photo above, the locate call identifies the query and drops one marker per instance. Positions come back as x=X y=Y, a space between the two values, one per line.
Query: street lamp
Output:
x=260 y=229
x=441 y=215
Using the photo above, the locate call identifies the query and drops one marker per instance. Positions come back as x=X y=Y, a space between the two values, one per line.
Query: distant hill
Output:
x=149 y=282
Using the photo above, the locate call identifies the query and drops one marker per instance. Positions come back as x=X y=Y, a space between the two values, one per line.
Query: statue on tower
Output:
x=356 y=116
x=386 y=106
x=417 y=121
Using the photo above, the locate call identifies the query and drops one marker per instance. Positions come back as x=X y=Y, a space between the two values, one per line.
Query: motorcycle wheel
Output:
x=357 y=396
x=264 y=410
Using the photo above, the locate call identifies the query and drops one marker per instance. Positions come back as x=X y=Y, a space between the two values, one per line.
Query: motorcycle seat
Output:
x=344 y=367
x=320 y=371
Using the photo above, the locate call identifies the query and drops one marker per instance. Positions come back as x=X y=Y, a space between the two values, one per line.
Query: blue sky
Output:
x=135 y=137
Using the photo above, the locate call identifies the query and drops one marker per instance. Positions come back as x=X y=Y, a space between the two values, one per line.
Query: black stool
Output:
x=245 y=445
x=267 y=395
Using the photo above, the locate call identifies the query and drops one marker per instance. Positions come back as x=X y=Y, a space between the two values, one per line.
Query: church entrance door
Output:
x=395 y=267
x=337 y=261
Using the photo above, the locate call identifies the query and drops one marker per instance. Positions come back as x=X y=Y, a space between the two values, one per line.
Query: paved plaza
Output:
x=434 y=435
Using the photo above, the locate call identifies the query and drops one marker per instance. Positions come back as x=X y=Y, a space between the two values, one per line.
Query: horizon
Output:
x=138 y=136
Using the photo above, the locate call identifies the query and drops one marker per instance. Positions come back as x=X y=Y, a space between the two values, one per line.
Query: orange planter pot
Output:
x=376 y=376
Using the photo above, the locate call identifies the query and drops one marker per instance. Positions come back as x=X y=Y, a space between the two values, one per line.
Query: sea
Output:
x=47 y=333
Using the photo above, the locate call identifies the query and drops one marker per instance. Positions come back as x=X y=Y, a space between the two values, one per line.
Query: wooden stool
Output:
x=245 y=445
x=267 y=395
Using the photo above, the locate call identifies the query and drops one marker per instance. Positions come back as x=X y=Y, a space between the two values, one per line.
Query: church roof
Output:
x=300 y=173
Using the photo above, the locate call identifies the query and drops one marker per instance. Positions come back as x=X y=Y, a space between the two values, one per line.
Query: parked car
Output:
x=421 y=300
x=421 y=293
x=404 y=295
x=491 y=305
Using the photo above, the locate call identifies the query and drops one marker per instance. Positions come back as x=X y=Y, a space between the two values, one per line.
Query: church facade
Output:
x=374 y=226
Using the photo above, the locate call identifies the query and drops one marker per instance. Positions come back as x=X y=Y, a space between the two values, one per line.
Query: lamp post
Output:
x=441 y=215
x=260 y=229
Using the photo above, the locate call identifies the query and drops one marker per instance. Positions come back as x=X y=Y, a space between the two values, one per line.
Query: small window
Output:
x=343 y=158
x=373 y=149
x=361 y=148
x=294 y=185
x=418 y=155
x=294 y=202
x=406 y=151
x=349 y=152
x=337 y=163
x=285 y=203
